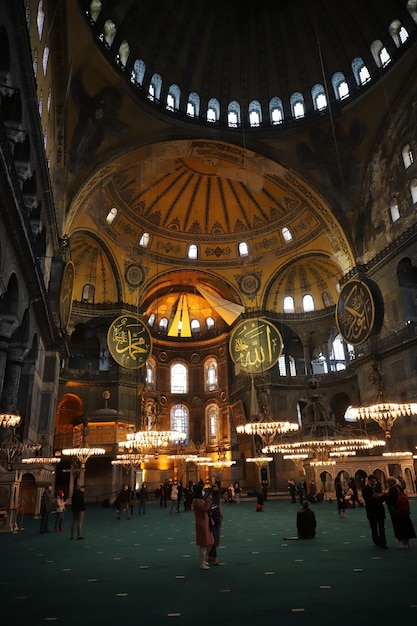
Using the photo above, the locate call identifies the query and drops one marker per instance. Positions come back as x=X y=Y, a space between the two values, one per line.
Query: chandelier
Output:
x=383 y=412
x=129 y=461
x=11 y=446
x=9 y=420
x=322 y=448
x=83 y=453
x=151 y=440
x=260 y=461
x=41 y=460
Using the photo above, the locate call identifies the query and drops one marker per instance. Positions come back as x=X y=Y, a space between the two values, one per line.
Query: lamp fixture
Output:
x=41 y=460
x=260 y=461
x=83 y=453
x=9 y=420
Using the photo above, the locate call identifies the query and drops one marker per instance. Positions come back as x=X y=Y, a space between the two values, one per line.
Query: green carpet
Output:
x=146 y=570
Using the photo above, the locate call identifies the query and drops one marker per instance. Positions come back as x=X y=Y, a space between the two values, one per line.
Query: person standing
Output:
x=60 y=509
x=341 y=499
x=375 y=510
x=399 y=509
x=123 y=500
x=203 y=535
x=143 y=497
x=78 y=512
x=215 y=517
x=47 y=506
x=292 y=489
x=236 y=487
x=174 y=498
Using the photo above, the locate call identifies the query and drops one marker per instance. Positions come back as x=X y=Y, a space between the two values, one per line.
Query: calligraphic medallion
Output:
x=359 y=311
x=129 y=341
x=255 y=345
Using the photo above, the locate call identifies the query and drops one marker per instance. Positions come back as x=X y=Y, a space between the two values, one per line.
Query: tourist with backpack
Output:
x=399 y=508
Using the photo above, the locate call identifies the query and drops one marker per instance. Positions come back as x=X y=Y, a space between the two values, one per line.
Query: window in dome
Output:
x=154 y=91
x=163 y=324
x=173 y=98
x=243 y=249
x=95 y=9
x=412 y=9
x=40 y=105
x=193 y=104
x=394 y=210
x=340 y=86
x=144 y=240
x=40 y=20
x=255 y=113
x=192 y=251
x=211 y=381
x=88 y=293
x=297 y=105
x=318 y=95
x=45 y=59
x=413 y=190
x=195 y=326
x=398 y=33
x=360 y=71
x=111 y=216
x=380 y=54
x=308 y=303
x=45 y=137
x=179 y=378
x=138 y=73
x=35 y=63
x=151 y=319
x=276 y=111
x=212 y=424
x=48 y=106
x=109 y=32
x=123 y=53
x=213 y=110
x=289 y=305
x=408 y=157
x=233 y=114
x=209 y=323
x=27 y=12
x=286 y=234
x=179 y=422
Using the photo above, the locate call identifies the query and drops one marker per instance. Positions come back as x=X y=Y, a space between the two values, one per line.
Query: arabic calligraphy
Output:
x=355 y=312
x=255 y=345
x=129 y=341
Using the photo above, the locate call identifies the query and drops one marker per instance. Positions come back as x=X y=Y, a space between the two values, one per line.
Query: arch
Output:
x=138 y=72
x=155 y=86
x=408 y=156
x=213 y=110
x=276 y=111
x=9 y=302
x=360 y=71
x=413 y=190
x=380 y=54
x=213 y=424
x=255 y=113
x=179 y=420
x=340 y=86
x=69 y=409
x=394 y=210
x=173 y=98
x=297 y=105
x=233 y=114
x=179 y=377
x=211 y=381
x=318 y=96
x=193 y=104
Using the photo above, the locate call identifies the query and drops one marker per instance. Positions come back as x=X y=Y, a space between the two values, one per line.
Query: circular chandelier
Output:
x=383 y=413
x=9 y=420
x=130 y=460
x=339 y=447
x=83 y=453
x=41 y=460
x=260 y=461
x=151 y=440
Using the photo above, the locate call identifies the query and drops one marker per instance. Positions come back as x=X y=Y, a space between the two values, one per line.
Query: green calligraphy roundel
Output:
x=129 y=341
x=255 y=345
x=359 y=311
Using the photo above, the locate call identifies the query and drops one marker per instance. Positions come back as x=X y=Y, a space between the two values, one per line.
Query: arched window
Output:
x=338 y=354
x=123 y=54
x=412 y=9
x=340 y=86
x=408 y=157
x=255 y=113
x=308 y=303
x=150 y=373
x=233 y=114
x=243 y=249
x=286 y=234
x=40 y=19
x=109 y=32
x=95 y=9
x=163 y=324
x=394 y=210
x=193 y=104
x=380 y=54
x=173 y=98
x=413 y=190
x=45 y=59
x=209 y=323
x=179 y=378
x=212 y=424
x=144 y=240
x=40 y=105
x=192 y=251
x=138 y=73
x=318 y=96
x=210 y=375
x=282 y=366
x=213 y=110
x=360 y=71
x=155 y=86
x=88 y=293
x=398 y=33
x=180 y=422
x=111 y=216
x=276 y=111
x=151 y=319
x=195 y=326
x=297 y=105
x=289 y=306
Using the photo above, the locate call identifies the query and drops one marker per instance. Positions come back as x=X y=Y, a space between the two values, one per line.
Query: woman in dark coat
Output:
x=401 y=521
x=203 y=535
x=216 y=517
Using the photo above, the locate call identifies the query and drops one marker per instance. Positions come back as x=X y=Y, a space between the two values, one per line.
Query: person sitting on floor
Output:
x=306 y=523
